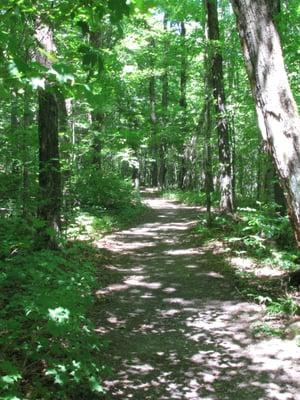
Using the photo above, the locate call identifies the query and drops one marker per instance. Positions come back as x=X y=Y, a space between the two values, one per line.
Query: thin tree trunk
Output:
x=207 y=128
x=183 y=102
x=207 y=123
x=153 y=121
x=25 y=172
x=164 y=104
x=183 y=69
x=276 y=109
x=226 y=200
x=98 y=117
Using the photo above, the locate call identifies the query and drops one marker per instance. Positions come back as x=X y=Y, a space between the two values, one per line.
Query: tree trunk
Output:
x=207 y=121
x=49 y=168
x=25 y=172
x=98 y=119
x=98 y=116
x=153 y=121
x=164 y=104
x=183 y=69
x=183 y=104
x=276 y=109
x=49 y=164
x=216 y=61
x=207 y=128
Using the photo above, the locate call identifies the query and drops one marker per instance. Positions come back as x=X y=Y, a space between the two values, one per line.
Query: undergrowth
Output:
x=260 y=233
x=48 y=345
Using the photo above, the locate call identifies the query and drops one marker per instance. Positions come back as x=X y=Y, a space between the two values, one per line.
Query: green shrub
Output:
x=15 y=234
x=109 y=192
x=48 y=345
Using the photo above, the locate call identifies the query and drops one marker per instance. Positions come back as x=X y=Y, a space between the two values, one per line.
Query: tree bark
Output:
x=98 y=116
x=164 y=105
x=49 y=168
x=216 y=61
x=275 y=106
x=153 y=120
x=183 y=69
x=183 y=104
x=50 y=195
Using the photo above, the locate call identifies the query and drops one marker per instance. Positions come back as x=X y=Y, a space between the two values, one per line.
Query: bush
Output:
x=192 y=197
x=109 y=192
x=48 y=346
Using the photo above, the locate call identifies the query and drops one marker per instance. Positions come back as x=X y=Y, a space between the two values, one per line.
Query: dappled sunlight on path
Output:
x=177 y=326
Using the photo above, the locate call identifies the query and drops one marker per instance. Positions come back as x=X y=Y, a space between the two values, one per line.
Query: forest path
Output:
x=177 y=326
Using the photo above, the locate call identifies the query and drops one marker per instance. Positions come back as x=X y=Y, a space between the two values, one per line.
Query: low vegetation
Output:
x=49 y=348
x=259 y=241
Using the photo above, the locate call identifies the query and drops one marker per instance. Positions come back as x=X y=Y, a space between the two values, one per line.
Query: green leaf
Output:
x=59 y=314
x=9 y=379
x=95 y=385
x=37 y=83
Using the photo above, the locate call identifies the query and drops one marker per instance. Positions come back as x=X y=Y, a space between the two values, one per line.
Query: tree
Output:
x=275 y=106
x=50 y=195
x=216 y=64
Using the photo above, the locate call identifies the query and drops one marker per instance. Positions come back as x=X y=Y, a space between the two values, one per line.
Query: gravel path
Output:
x=177 y=326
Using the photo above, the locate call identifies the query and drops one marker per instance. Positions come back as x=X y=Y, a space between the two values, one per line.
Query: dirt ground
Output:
x=176 y=324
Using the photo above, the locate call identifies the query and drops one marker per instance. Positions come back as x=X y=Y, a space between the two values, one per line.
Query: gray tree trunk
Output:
x=275 y=106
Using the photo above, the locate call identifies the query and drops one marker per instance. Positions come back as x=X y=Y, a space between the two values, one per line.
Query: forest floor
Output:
x=177 y=325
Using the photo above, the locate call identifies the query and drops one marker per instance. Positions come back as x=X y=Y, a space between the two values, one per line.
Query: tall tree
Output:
x=164 y=105
x=216 y=62
x=183 y=102
x=153 y=117
x=49 y=164
x=275 y=106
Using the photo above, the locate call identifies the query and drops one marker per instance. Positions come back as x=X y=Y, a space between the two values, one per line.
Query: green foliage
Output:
x=106 y=192
x=15 y=235
x=257 y=228
x=48 y=345
x=94 y=224
x=189 y=197
x=262 y=328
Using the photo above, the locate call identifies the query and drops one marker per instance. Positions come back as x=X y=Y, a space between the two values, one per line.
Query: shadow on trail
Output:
x=177 y=326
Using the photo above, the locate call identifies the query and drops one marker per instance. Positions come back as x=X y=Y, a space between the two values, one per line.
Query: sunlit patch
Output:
x=183 y=252
x=116 y=287
x=102 y=330
x=192 y=266
x=169 y=290
x=115 y=321
x=211 y=274
x=59 y=315
x=178 y=300
x=169 y=313
x=147 y=296
x=139 y=281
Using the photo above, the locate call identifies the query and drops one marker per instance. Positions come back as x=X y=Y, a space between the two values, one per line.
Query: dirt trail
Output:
x=178 y=329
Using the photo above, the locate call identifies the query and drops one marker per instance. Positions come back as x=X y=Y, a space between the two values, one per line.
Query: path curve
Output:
x=177 y=327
